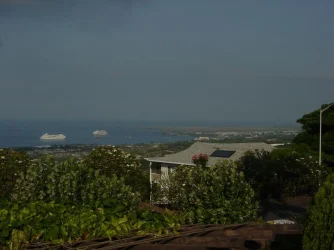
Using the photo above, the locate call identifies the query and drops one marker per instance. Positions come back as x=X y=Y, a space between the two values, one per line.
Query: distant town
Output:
x=274 y=135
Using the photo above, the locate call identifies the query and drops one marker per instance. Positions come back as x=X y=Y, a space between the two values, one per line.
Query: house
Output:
x=216 y=152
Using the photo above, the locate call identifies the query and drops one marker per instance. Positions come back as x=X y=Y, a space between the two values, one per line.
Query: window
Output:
x=156 y=168
x=222 y=153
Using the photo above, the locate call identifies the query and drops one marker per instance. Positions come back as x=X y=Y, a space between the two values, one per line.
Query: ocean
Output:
x=27 y=133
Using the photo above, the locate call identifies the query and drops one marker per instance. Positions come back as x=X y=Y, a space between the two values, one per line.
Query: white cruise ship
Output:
x=100 y=133
x=47 y=136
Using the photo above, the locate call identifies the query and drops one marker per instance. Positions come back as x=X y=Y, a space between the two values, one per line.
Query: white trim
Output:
x=150 y=179
x=150 y=172
x=170 y=162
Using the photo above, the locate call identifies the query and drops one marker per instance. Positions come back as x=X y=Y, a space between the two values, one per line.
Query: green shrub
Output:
x=254 y=164
x=71 y=182
x=216 y=194
x=11 y=163
x=21 y=224
x=110 y=160
x=282 y=172
x=319 y=228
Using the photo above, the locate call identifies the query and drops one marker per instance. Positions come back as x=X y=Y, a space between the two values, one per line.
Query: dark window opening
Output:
x=156 y=168
x=222 y=153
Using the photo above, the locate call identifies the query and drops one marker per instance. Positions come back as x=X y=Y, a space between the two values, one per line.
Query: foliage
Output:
x=282 y=172
x=310 y=131
x=11 y=162
x=56 y=223
x=319 y=229
x=159 y=223
x=110 y=160
x=200 y=159
x=157 y=193
x=217 y=194
x=300 y=171
x=255 y=166
x=71 y=181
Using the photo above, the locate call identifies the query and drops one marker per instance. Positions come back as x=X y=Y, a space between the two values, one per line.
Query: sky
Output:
x=164 y=60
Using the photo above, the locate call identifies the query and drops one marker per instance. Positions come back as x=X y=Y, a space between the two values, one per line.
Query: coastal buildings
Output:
x=202 y=139
x=216 y=151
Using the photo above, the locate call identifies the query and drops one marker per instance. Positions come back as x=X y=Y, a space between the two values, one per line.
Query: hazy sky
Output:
x=222 y=60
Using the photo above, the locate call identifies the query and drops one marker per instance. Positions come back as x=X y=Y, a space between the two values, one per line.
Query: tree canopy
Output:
x=310 y=131
x=282 y=173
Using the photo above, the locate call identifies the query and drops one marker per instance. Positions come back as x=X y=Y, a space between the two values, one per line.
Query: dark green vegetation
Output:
x=56 y=201
x=55 y=223
x=71 y=182
x=11 y=163
x=310 y=132
x=319 y=229
x=217 y=194
x=112 y=161
x=282 y=173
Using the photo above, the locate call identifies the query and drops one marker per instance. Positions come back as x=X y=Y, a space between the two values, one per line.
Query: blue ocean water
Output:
x=27 y=133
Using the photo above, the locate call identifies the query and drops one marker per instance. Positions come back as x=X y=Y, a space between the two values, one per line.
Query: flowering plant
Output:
x=200 y=159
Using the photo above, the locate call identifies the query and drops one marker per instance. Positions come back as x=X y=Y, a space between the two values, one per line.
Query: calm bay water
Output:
x=27 y=133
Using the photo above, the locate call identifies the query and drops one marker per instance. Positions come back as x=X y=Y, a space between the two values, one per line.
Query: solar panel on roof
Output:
x=222 y=153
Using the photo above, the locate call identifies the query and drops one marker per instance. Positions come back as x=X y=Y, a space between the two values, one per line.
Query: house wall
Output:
x=164 y=170
x=161 y=170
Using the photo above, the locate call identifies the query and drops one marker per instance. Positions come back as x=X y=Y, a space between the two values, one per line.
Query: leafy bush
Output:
x=217 y=194
x=11 y=163
x=56 y=223
x=71 y=181
x=319 y=228
x=110 y=160
x=282 y=172
x=254 y=164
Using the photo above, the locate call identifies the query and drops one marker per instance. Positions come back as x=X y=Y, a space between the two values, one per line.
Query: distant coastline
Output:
x=19 y=133
x=221 y=128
